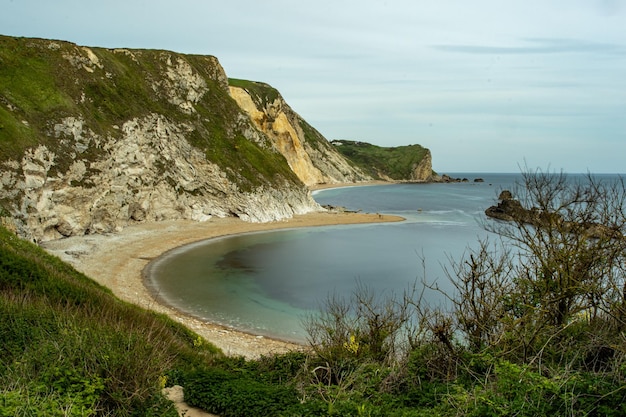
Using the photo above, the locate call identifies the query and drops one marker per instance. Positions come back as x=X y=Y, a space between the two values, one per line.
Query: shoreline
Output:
x=328 y=186
x=127 y=253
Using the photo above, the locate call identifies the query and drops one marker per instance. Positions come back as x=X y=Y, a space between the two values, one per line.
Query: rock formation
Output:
x=95 y=139
x=511 y=210
x=423 y=171
x=411 y=163
x=313 y=159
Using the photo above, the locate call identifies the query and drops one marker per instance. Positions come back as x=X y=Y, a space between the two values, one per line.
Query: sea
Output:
x=270 y=283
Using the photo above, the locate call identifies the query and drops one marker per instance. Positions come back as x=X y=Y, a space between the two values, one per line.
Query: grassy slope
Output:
x=396 y=163
x=39 y=87
x=66 y=343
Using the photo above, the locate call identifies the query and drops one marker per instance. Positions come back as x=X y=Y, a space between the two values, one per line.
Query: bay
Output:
x=267 y=283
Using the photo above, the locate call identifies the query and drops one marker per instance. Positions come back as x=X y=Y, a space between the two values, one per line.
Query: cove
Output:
x=267 y=283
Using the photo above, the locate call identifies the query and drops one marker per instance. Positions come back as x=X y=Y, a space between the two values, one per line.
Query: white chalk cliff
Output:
x=179 y=152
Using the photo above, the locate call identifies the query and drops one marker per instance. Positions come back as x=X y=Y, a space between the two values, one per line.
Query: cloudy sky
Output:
x=486 y=85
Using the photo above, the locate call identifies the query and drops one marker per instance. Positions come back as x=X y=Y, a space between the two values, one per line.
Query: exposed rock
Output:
x=423 y=171
x=307 y=152
x=150 y=173
x=510 y=209
x=409 y=163
x=447 y=179
x=121 y=153
x=505 y=195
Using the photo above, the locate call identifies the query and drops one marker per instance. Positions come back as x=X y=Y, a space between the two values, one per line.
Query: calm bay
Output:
x=267 y=283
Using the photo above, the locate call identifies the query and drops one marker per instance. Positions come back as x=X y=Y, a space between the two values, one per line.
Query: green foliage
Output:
x=538 y=334
x=70 y=348
x=519 y=390
x=262 y=94
x=395 y=162
x=68 y=344
x=256 y=167
x=231 y=395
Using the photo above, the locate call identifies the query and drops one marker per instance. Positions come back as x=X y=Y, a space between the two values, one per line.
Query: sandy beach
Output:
x=117 y=261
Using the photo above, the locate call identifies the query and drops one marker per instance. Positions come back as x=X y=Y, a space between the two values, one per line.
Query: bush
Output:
x=231 y=395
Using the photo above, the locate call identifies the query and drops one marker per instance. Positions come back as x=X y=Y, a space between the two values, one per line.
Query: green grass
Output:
x=68 y=345
x=27 y=84
x=394 y=162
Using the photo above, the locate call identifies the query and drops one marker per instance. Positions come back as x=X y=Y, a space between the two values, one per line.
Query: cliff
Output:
x=311 y=157
x=401 y=163
x=94 y=139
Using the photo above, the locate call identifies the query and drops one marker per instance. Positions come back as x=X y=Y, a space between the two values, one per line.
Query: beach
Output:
x=117 y=261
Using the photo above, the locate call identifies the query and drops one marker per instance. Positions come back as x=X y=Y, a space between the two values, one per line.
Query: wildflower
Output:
x=352 y=346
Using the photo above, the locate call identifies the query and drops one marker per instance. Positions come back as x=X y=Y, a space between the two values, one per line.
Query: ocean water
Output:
x=268 y=283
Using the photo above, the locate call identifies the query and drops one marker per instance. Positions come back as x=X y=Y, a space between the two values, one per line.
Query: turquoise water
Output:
x=267 y=283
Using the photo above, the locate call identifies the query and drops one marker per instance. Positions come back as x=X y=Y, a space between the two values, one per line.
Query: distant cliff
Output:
x=401 y=163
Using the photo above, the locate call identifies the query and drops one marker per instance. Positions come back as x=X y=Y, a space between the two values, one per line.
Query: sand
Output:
x=117 y=261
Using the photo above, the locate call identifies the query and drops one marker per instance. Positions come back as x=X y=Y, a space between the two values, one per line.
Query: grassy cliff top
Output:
x=261 y=93
x=394 y=162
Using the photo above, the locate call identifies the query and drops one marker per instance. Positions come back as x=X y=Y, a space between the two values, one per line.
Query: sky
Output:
x=486 y=85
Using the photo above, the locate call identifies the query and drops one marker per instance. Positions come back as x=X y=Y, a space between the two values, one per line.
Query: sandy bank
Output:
x=117 y=260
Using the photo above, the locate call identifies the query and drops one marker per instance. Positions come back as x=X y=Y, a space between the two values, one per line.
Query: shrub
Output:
x=231 y=395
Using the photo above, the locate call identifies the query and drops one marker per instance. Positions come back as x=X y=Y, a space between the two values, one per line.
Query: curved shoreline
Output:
x=154 y=290
x=117 y=261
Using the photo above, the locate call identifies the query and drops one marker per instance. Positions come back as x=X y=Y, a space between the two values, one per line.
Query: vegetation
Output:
x=396 y=163
x=42 y=82
x=262 y=94
x=535 y=327
x=68 y=347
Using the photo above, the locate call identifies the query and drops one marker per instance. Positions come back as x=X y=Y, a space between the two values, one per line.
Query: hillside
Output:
x=68 y=347
x=94 y=139
x=403 y=163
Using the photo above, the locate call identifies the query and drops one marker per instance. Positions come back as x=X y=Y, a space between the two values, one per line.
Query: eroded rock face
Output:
x=312 y=159
x=423 y=172
x=106 y=157
x=149 y=173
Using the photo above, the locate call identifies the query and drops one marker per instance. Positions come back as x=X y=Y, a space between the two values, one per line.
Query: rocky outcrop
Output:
x=511 y=210
x=423 y=171
x=125 y=136
x=307 y=152
x=412 y=163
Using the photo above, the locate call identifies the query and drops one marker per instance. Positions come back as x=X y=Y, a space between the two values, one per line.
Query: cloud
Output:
x=538 y=46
